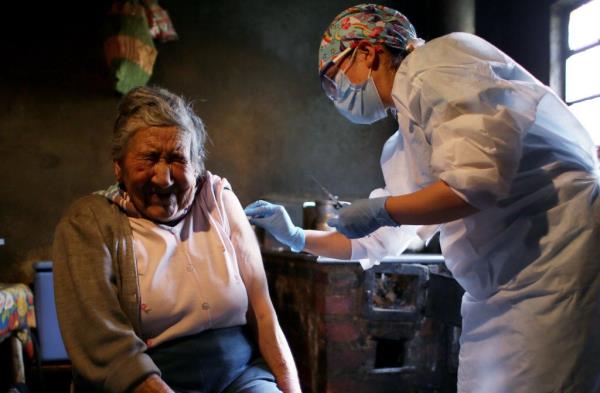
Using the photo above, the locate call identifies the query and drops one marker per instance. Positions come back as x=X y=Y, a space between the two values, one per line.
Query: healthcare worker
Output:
x=496 y=162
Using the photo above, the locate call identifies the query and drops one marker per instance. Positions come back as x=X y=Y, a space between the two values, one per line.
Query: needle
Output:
x=336 y=203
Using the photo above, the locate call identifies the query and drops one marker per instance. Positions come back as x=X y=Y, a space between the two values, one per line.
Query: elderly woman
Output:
x=155 y=277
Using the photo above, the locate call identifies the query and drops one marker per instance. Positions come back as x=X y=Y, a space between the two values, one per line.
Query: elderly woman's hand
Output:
x=153 y=384
x=275 y=219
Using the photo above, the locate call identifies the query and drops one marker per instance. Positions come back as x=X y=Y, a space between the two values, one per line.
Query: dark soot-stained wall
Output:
x=249 y=66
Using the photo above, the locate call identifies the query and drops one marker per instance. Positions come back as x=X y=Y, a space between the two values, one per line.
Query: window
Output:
x=576 y=59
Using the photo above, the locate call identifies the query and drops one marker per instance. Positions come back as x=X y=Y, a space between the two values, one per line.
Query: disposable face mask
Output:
x=360 y=103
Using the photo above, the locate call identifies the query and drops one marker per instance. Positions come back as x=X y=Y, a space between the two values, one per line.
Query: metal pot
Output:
x=316 y=213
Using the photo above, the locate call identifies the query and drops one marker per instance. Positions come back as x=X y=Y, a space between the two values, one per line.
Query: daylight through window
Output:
x=582 y=66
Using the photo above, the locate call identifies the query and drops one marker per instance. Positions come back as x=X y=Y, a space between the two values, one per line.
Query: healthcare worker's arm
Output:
x=277 y=222
x=329 y=244
x=388 y=241
x=434 y=204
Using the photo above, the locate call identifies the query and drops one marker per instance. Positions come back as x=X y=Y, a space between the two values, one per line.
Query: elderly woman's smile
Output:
x=157 y=173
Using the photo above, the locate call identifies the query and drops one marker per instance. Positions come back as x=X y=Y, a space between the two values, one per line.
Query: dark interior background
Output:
x=251 y=69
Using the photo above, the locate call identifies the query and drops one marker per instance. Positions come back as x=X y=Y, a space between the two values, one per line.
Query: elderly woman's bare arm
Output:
x=272 y=342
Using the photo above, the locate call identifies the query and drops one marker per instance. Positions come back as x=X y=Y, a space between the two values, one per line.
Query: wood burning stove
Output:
x=392 y=328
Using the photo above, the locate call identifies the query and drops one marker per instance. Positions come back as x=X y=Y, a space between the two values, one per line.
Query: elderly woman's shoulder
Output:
x=93 y=204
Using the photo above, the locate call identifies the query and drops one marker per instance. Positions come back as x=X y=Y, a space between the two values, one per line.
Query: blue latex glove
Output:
x=276 y=220
x=362 y=217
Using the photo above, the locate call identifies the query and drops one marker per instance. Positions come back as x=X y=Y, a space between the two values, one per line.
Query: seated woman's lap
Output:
x=257 y=378
x=214 y=361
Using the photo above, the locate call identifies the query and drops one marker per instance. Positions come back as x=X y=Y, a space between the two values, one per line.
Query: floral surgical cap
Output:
x=375 y=23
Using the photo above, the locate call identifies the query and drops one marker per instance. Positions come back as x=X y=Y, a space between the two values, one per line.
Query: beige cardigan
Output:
x=94 y=239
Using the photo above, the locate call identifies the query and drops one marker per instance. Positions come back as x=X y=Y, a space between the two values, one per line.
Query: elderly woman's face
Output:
x=158 y=174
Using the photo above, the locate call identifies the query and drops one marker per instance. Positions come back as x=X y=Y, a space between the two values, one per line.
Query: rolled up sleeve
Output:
x=477 y=124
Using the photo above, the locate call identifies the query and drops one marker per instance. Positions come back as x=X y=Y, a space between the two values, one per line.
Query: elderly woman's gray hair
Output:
x=145 y=107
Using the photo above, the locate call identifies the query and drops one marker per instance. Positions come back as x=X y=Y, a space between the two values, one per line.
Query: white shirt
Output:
x=188 y=274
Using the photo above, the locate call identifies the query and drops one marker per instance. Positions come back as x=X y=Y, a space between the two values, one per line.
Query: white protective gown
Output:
x=529 y=260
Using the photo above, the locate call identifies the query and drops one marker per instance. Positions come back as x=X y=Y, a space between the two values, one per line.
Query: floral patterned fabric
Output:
x=17 y=313
x=375 y=23
x=160 y=24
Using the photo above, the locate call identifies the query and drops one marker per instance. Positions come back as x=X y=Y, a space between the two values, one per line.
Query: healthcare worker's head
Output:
x=359 y=54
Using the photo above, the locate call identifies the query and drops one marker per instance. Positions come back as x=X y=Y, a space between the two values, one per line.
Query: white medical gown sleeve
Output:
x=477 y=123
x=387 y=241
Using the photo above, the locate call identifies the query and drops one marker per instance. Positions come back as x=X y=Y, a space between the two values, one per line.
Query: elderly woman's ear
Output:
x=117 y=169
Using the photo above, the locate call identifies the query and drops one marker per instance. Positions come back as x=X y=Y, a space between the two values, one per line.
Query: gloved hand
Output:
x=362 y=217
x=276 y=220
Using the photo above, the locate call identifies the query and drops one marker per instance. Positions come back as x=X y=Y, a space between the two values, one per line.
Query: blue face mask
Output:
x=360 y=103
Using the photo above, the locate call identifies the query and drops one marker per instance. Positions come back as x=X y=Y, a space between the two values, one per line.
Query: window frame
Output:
x=559 y=46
